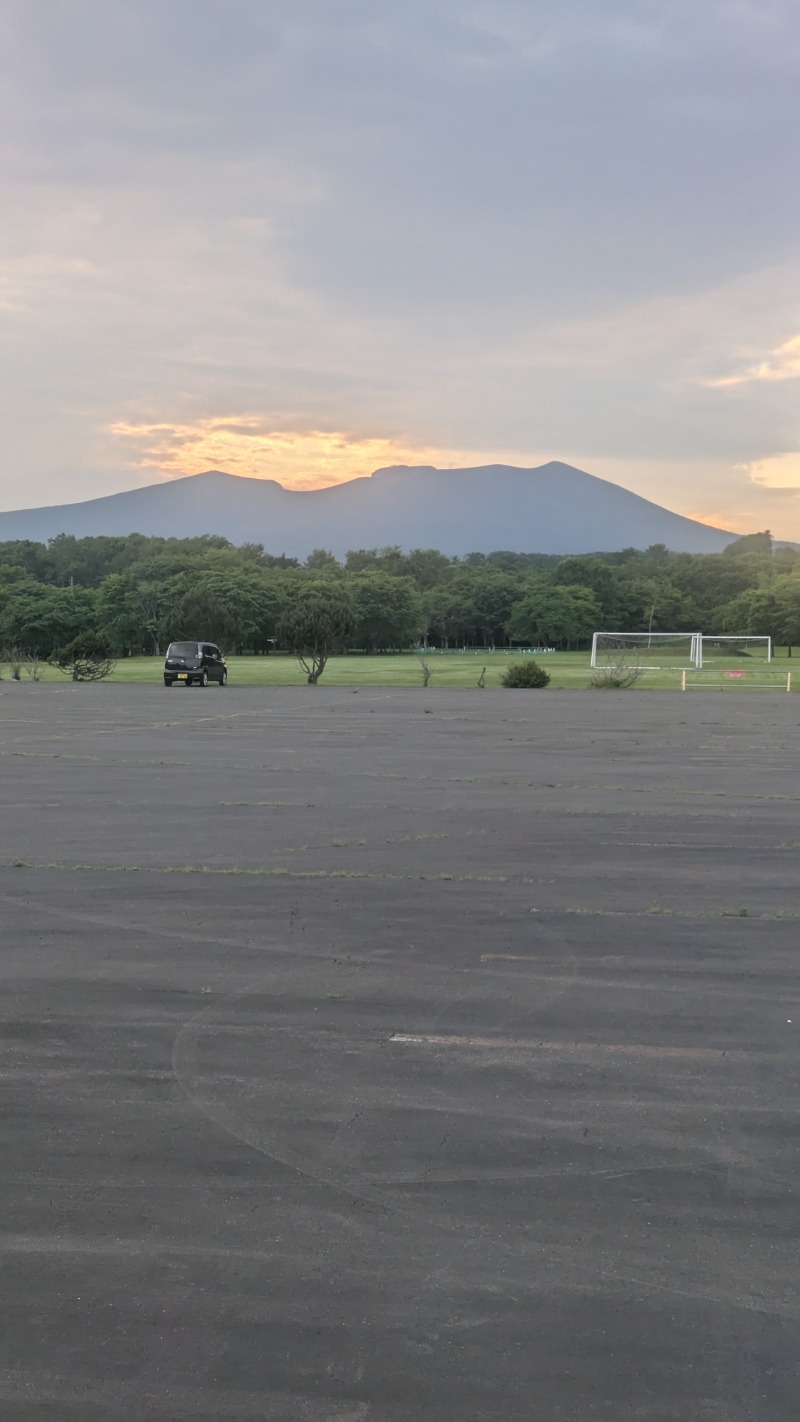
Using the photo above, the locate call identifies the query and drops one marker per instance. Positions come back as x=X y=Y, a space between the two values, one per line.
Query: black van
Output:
x=194 y=664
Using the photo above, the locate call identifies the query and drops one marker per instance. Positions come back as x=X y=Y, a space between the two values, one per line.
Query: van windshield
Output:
x=182 y=649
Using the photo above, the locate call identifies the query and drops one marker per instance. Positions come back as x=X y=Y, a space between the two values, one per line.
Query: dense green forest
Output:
x=138 y=593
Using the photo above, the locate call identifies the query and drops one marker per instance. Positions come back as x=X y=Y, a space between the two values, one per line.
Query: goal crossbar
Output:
x=630 y=641
x=709 y=640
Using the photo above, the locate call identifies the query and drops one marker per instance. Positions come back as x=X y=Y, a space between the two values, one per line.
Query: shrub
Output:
x=525 y=674
x=606 y=679
x=621 y=673
x=15 y=658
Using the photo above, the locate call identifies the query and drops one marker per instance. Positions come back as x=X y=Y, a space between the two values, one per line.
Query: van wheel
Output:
x=223 y=681
x=204 y=679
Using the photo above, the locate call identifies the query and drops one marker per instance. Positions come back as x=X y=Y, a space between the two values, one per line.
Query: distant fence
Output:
x=742 y=679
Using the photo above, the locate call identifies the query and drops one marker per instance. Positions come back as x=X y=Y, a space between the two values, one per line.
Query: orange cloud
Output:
x=727 y=518
x=777 y=471
x=244 y=445
x=783 y=364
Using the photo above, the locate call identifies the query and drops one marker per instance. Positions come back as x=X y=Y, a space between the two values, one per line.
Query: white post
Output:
x=593 y=662
x=788 y=681
x=769 y=649
x=683 y=679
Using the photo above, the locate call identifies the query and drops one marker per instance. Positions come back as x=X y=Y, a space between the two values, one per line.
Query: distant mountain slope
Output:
x=552 y=509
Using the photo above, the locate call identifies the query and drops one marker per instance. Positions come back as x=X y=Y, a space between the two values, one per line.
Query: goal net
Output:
x=648 y=649
x=735 y=649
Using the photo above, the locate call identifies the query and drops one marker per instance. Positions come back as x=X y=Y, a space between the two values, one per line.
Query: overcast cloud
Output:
x=302 y=239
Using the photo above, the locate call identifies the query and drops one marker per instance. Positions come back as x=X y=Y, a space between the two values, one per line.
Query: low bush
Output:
x=618 y=677
x=525 y=674
x=14 y=659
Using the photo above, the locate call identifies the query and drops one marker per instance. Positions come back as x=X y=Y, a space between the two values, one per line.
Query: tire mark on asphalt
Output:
x=581 y=1049
x=185 y=1066
x=587 y=1264
x=298 y=951
x=124 y=1400
x=627 y=984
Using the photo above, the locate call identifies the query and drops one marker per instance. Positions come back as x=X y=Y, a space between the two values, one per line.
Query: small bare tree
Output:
x=482 y=679
x=426 y=665
x=14 y=659
x=622 y=670
x=34 y=666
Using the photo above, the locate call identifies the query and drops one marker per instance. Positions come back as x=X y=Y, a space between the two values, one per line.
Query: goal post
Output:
x=659 y=650
x=732 y=647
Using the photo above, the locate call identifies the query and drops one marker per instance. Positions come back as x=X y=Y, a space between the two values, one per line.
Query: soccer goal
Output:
x=657 y=650
x=757 y=649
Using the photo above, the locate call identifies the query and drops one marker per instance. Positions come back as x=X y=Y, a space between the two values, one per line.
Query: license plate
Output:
x=181 y=676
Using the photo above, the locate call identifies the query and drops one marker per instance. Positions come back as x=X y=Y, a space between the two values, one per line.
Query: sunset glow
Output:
x=244 y=445
x=779 y=471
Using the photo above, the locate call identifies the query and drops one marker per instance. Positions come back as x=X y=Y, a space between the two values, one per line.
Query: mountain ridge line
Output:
x=550 y=508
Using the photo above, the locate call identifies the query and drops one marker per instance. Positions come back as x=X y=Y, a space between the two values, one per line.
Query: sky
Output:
x=304 y=240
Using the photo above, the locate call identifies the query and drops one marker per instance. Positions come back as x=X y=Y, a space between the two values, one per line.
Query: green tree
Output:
x=37 y=617
x=252 y=553
x=316 y=624
x=27 y=556
x=321 y=558
x=88 y=561
x=750 y=543
x=390 y=559
x=653 y=604
x=596 y=575
x=449 y=612
x=386 y=611
x=427 y=566
x=787 y=607
x=553 y=615
x=138 y=610
x=767 y=612
x=752 y=613
x=492 y=595
x=709 y=581
x=234 y=604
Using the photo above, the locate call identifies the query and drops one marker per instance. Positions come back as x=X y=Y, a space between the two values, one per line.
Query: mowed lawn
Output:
x=568 y=671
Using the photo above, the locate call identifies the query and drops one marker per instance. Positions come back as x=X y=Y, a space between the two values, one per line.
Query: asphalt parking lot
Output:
x=399 y=1056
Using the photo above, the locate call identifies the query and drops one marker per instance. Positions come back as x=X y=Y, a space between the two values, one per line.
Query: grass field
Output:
x=568 y=670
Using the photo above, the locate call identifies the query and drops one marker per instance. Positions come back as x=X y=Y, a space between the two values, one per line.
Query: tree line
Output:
x=135 y=594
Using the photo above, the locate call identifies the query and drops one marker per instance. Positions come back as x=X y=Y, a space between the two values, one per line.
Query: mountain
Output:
x=552 y=509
